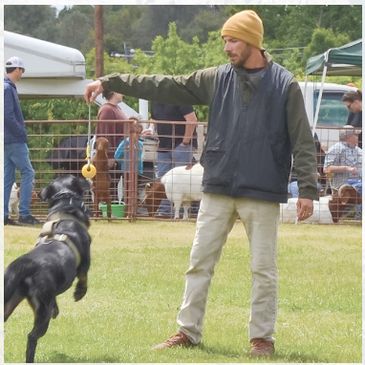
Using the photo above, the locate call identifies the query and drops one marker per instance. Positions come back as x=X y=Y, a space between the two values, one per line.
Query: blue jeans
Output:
x=293 y=189
x=16 y=156
x=356 y=184
x=180 y=156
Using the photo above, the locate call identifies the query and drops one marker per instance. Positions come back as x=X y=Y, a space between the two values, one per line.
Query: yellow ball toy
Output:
x=88 y=171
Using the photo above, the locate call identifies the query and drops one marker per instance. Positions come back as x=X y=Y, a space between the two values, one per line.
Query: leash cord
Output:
x=88 y=147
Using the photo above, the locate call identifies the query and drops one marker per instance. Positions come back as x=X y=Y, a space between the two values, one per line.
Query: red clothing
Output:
x=113 y=131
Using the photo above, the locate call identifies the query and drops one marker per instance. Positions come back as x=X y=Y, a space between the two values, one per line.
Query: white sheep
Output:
x=182 y=186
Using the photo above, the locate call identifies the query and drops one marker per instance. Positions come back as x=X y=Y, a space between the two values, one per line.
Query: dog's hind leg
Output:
x=42 y=316
x=55 y=310
x=11 y=303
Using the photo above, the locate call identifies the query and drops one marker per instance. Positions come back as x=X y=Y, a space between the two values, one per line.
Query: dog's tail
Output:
x=14 y=282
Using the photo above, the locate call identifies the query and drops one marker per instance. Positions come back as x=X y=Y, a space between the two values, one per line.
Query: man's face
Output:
x=354 y=106
x=118 y=97
x=352 y=140
x=19 y=73
x=238 y=51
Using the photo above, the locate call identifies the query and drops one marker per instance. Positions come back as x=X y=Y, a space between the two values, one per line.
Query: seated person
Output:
x=343 y=161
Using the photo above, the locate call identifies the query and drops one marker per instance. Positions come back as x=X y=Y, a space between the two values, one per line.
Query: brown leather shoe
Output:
x=261 y=347
x=180 y=339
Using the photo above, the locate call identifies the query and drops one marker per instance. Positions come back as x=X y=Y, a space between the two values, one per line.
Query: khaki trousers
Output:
x=215 y=220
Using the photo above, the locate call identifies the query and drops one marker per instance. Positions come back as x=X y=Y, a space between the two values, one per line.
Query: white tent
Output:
x=51 y=70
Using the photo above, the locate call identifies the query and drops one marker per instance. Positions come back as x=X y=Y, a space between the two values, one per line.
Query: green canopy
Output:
x=342 y=61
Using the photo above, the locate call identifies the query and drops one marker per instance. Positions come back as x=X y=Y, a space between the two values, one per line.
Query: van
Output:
x=333 y=113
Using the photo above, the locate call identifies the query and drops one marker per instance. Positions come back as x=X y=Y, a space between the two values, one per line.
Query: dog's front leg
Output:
x=81 y=287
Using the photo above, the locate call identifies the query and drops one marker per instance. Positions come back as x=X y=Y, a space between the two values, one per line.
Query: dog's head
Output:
x=101 y=144
x=65 y=194
x=342 y=200
x=65 y=185
x=153 y=194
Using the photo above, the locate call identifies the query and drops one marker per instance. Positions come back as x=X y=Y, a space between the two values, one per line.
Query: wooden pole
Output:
x=99 y=42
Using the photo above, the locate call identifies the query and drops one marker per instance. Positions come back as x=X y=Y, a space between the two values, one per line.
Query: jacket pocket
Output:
x=216 y=166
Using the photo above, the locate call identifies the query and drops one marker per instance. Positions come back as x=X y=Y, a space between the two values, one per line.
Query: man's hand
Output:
x=304 y=208
x=352 y=170
x=92 y=91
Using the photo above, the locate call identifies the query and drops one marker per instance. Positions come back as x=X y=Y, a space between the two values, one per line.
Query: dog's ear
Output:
x=347 y=194
x=47 y=193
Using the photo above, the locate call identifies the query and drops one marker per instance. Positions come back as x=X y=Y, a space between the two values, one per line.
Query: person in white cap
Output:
x=16 y=152
x=343 y=160
x=257 y=120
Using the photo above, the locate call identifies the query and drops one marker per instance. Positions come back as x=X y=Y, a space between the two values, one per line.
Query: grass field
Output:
x=136 y=284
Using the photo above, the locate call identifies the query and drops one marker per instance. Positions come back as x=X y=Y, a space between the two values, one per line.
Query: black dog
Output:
x=62 y=253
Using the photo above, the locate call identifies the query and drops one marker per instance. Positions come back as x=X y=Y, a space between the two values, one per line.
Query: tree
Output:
x=174 y=56
x=120 y=24
x=212 y=50
x=75 y=27
x=323 y=39
x=37 y=21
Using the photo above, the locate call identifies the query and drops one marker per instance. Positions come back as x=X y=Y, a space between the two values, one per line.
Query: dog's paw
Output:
x=55 y=311
x=80 y=292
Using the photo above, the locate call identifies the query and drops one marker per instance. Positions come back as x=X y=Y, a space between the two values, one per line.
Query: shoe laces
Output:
x=179 y=338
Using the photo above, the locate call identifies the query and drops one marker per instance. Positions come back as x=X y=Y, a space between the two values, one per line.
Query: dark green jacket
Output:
x=201 y=87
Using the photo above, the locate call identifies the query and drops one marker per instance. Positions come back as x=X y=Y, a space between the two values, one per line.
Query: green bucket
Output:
x=117 y=210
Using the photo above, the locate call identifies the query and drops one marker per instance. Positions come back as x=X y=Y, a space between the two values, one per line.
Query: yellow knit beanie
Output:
x=246 y=26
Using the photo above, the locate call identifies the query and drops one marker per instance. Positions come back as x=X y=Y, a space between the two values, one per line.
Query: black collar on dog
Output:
x=67 y=195
x=69 y=201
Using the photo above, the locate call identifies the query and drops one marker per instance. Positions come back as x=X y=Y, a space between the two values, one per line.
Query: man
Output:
x=16 y=152
x=353 y=102
x=176 y=141
x=343 y=160
x=256 y=120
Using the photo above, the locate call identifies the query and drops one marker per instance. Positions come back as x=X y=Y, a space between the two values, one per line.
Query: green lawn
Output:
x=136 y=284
